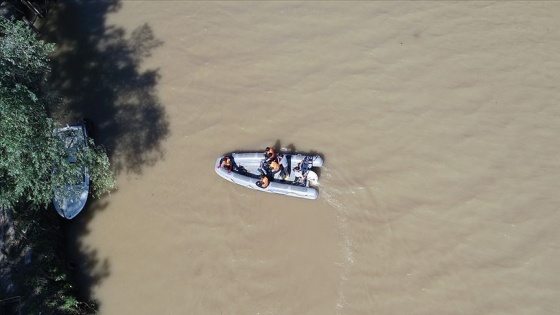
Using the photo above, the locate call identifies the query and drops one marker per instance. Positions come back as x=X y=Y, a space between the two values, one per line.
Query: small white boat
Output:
x=70 y=199
x=247 y=170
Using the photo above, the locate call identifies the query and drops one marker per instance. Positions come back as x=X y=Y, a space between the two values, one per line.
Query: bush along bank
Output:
x=35 y=265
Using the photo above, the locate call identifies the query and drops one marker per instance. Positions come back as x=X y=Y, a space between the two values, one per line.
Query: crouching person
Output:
x=226 y=163
x=300 y=176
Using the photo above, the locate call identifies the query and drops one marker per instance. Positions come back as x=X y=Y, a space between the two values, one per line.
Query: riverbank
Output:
x=7 y=235
x=36 y=275
x=34 y=269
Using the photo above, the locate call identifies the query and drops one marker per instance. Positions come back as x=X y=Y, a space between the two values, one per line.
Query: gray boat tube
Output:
x=246 y=173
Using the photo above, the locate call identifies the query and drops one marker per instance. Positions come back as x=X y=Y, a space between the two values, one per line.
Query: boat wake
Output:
x=333 y=197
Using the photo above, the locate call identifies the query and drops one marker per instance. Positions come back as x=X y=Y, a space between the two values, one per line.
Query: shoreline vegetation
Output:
x=37 y=275
x=93 y=74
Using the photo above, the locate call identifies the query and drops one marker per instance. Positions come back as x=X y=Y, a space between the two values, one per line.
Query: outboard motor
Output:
x=312 y=178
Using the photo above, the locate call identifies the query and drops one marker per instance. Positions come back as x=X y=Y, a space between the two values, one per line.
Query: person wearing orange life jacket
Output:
x=274 y=167
x=269 y=154
x=226 y=163
x=263 y=182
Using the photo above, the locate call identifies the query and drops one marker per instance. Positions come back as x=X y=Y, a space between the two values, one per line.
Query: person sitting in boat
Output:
x=226 y=163
x=274 y=167
x=300 y=176
x=263 y=182
x=283 y=161
x=269 y=168
x=305 y=165
x=269 y=154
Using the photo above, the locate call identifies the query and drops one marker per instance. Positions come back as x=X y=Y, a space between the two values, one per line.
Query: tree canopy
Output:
x=29 y=151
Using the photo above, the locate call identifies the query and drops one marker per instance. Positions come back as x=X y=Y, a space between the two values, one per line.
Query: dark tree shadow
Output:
x=97 y=70
x=84 y=263
x=35 y=259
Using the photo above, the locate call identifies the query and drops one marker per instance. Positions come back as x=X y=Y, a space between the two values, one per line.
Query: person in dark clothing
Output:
x=226 y=163
x=300 y=176
x=284 y=170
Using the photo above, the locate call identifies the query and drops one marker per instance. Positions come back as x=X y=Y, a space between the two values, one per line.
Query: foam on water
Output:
x=333 y=196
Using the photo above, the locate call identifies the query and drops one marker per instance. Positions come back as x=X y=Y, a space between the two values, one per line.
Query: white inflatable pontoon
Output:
x=247 y=170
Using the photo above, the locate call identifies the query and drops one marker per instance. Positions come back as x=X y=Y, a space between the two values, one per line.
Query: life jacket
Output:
x=274 y=166
x=227 y=162
x=264 y=181
x=270 y=154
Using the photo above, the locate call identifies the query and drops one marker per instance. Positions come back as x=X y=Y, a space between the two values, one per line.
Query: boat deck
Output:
x=246 y=173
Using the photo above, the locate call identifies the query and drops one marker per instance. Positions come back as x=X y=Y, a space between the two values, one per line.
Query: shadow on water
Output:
x=97 y=69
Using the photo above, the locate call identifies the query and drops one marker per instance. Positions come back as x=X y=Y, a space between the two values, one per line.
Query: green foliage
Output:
x=102 y=178
x=27 y=147
x=29 y=150
x=23 y=58
x=33 y=161
x=46 y=281
x=90 y=155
